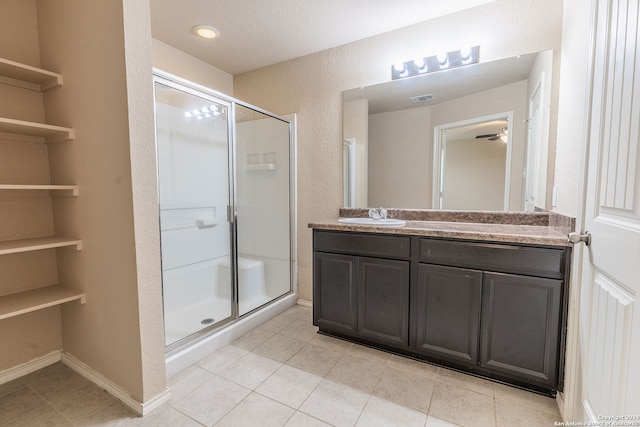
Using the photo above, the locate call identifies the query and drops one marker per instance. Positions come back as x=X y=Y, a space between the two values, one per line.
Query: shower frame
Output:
x=175 y=82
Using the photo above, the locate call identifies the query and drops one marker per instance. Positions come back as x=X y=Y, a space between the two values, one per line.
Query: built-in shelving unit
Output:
x=49 y=133
x=37 y=299
x=26 y=76
x=37 y=244
x=33 y=78
x=73 y=189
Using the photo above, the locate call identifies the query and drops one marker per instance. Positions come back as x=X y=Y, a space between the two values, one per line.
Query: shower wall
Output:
x=263 y=191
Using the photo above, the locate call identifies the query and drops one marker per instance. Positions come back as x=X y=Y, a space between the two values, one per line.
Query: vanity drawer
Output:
x=362 y=244
x=528 y=260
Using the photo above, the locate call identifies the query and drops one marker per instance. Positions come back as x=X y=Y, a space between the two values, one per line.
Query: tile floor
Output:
x=284 y=374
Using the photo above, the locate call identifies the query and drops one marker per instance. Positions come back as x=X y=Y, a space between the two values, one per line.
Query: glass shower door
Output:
x=263 y=208
x=194 y=192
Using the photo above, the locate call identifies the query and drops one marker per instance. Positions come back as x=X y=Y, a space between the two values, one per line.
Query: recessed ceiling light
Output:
x=206 y=31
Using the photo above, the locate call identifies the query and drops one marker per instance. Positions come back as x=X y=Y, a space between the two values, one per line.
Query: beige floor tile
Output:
x=314 y=359
x=80 y=403
x=508 y=414
x=298 y=311
x=335 y=344
x=368 y=353
x=467 y=381
x=289 y=385
x=276 y=324
x=415 y=367
x=49 y=382
x=257 y=410
x=279 y=347
x=11 y=386
x=211 y=401
x=300 y=329
x=461 y=406
x=358 y=373
x=250 y=370
x=23 y=407
x=383 y=413
x=222 y=359
x=405 y=389
x=334 y=403
x=188 y=380
x=519 y=397
x=252 y=339
x=167 y=417
x=300 y=419
x=113 y=415
x=437 y=422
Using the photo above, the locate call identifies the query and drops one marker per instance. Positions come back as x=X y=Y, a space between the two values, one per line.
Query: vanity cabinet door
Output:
x=335 y=292
x=446 y=313
x=383 y=301
x=521 y=327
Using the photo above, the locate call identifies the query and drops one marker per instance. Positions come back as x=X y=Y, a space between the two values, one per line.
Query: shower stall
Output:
x=226 y=211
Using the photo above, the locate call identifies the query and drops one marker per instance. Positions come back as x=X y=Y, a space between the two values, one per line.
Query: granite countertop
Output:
x=545 y=228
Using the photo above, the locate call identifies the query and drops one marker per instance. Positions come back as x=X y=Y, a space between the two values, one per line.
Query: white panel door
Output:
x=609 y=313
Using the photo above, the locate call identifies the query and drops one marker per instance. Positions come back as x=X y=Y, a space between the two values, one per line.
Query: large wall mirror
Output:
x=479 y=137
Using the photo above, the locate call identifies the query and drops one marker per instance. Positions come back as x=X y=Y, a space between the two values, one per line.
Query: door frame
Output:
x=571 y=401
x=439 y=148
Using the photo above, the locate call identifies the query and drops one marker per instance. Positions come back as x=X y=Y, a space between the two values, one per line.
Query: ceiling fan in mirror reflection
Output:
x=430 y=64
x=502 y=135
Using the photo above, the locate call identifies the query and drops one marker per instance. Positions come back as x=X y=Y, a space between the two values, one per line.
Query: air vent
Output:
x=421 y=98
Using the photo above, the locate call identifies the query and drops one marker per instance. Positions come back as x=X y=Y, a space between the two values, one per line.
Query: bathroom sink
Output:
x=383 y=222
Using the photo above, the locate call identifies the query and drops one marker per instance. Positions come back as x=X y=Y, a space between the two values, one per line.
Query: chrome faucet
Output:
x=380 y=213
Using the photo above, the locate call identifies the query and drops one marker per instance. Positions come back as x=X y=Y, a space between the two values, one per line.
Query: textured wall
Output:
x=571 y=108
x=171 y=60
x=311 y=86
x=107 y=99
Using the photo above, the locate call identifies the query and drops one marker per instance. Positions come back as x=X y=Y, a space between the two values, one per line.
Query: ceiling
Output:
x=257 y=33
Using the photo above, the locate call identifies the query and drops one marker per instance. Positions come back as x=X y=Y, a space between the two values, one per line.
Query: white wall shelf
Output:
x=50 y=133
x=37 y=299
x=37 y=244
x=72 y=188
x=27 y=76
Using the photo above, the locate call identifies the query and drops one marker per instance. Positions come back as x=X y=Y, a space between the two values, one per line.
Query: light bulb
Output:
x=206 y=31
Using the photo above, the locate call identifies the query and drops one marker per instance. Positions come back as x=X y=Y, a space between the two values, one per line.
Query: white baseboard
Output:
x=304 y=302
x=29 y=367
x=561 y=405
x=112 y=388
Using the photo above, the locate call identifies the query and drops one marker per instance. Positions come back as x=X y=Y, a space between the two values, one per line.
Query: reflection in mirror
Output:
x=349 y=171
x=407 y=135
x=470 y=171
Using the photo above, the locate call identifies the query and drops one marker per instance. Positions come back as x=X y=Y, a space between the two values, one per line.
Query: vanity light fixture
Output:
x=206 y=31
x=430 y=64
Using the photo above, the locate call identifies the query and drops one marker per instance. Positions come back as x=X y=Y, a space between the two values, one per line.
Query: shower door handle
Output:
x=230 y=214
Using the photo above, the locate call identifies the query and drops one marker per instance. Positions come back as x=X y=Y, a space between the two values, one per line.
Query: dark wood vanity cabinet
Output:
x=521 y=326
x=445 y=313
x=361 y=286
x=383 y=301
x=492 y=309
x=335 y=297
